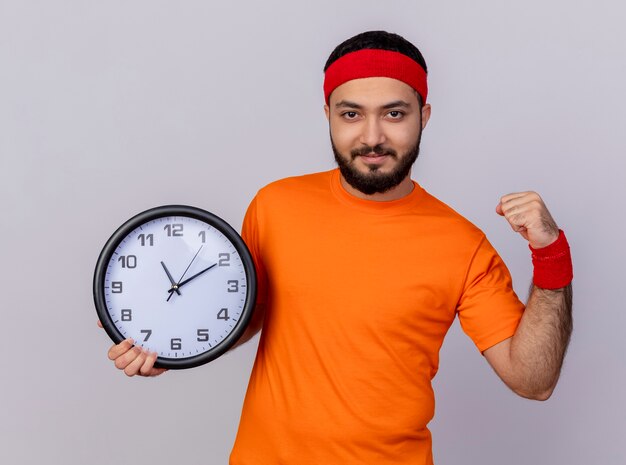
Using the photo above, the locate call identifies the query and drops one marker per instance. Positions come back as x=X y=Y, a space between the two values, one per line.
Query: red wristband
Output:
x=553 y=264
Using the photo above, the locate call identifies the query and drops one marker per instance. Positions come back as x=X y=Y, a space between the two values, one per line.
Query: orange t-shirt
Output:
x=359 y=296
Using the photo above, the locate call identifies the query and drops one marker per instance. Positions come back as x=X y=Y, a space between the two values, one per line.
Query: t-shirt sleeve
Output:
x=250 y=235
x=489 y=310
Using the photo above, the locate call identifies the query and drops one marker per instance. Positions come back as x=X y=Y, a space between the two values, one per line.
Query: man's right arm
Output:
x=255 y=325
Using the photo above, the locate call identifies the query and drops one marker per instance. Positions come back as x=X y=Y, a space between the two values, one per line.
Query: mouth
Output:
x=374 y=158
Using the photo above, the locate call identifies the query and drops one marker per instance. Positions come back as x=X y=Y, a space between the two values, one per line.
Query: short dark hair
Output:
x=380 y=40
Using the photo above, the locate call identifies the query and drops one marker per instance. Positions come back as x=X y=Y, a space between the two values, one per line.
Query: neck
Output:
x=401 y=190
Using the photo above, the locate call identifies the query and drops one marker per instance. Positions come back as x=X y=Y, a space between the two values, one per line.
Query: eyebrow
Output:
x=395 y=103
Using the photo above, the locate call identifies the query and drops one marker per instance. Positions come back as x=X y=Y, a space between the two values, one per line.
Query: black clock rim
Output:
x=199 y=214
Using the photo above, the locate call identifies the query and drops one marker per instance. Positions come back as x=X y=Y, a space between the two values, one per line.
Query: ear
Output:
x=425 y=114
x=327 y=111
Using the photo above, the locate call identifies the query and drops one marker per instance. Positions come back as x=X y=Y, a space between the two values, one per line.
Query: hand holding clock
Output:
x=133 y=360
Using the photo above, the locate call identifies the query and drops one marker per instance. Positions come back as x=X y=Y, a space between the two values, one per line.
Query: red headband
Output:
x=375 y=63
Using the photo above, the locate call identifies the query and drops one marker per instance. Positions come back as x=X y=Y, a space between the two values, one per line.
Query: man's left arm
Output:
x=530 y=361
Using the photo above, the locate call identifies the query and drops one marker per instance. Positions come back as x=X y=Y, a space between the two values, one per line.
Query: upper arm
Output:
x=255 y=325
x=489 y=311
x=250 y=232
x=256 y=322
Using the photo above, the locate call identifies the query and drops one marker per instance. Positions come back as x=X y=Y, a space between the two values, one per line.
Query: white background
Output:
x=110 y=108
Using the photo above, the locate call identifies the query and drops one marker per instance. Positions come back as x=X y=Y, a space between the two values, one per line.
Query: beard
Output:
x=374 y=181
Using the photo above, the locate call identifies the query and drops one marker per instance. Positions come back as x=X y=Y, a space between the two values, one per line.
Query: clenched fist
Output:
x=529 y=216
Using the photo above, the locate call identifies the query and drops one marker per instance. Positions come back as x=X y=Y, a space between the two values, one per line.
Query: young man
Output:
x=361 y=273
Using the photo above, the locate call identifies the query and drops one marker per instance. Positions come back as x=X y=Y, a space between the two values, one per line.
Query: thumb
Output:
x=99 y=323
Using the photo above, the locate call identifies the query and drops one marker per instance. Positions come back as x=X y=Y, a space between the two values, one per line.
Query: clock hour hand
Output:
x=169 y=275
x=180 y=284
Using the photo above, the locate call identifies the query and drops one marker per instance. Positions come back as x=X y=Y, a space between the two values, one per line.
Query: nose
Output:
x=372 y=133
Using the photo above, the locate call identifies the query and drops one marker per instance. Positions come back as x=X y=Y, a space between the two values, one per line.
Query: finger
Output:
x=522 y=205
x=133 y=367
x=148 y=364
x=514 y=195
x=520 y=216
x=99 y=324
x=531 y=198
x=530 y=207
x=507 y=202
x=157 y=371
x=118 y=349
x=147 y=369
x=127 y=358
x=509 y=209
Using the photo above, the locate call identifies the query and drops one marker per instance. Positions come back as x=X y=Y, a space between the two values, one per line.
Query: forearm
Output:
x=538 y=347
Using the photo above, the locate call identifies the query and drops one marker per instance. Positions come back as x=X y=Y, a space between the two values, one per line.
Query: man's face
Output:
x=375 y=131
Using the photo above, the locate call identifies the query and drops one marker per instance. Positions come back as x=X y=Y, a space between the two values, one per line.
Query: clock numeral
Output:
x=128 y=261
x=224 y=259
x=127 y=314
x=147 y=332
x=116 y=287
x=174 y=230
x=176 y=343
x=203 y=335
x=223 y=314
x=233 y=285
x=202 y=235
x=149 y=239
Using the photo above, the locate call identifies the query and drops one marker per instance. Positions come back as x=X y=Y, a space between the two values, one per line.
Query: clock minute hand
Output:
x=169 y=275
x=175 y=286
x=180 y=284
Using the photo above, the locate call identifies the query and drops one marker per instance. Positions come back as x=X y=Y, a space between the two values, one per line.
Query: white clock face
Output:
x=176 y=285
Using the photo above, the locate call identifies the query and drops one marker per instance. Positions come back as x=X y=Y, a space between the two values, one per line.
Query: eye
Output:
x=349 y=114
x=396 y=114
